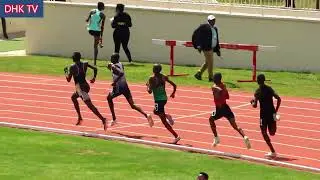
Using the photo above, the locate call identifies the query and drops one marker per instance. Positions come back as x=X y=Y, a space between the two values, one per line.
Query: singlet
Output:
x=159 y=89
x=265 y=96
x=95 y=21
x=80 y=73
x=223 y=96
x=122 y=81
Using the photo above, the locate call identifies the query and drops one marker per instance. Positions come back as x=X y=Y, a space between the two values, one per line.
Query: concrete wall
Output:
x=14 y=25
x=63 y=30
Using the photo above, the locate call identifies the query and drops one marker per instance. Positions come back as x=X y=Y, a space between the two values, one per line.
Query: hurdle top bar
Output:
x=250 y=47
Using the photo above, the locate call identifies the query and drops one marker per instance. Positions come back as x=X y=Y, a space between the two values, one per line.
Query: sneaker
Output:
x=150 y=120
x=169 y=119
x=198 y=76
x=247 y=142
x=216 y=141
x=176 y=140
x=271 y=155
x=276 y=117
x=113 y=122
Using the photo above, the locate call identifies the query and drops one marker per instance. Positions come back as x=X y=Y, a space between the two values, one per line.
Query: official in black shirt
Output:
x=121 y=23
x=268 y=113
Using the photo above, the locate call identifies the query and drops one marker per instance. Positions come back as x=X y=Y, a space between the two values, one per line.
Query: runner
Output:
x=221 y=95
x=78 y=72
x=96 y=21
x=120 y=87
x=268 y=114
x=156 y=85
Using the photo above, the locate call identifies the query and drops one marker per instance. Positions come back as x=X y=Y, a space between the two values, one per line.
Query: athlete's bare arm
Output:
x=216 y=91
x=95 y=72
x=275 y=95
x=68 y=74
x=103 y=17
x=116 y=71
x=90 y=13
x=149 y=84
x=172 y=84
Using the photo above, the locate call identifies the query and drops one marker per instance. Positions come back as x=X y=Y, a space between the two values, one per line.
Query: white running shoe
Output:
x=216 y=141
x=271 y=155
x=247 y=142
x=169 y=119
x=113 y=122
x=276 y=117
x=150 y=120
x=176 y=140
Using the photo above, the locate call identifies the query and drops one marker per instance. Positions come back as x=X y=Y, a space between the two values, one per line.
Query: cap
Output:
x=211 y=17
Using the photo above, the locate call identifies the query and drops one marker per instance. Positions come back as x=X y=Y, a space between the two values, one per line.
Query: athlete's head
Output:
x=76 y=56
x=120 y=8
x=100 y=6
x=211 y=20
x=260 y=79
x=217 y=78
x=115 y=58
x=157 y=68
x=203 y=176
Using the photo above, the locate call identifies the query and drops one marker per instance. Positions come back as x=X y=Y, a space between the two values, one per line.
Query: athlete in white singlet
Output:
x=120 y=87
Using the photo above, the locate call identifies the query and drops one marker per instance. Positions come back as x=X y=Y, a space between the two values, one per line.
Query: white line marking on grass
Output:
x=178 y=147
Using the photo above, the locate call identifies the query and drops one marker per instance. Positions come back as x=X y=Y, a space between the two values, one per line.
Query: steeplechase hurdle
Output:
x=246 y=47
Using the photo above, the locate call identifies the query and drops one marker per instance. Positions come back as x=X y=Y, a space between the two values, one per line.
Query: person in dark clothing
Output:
x=121 y=23
x=268 y=113
x=206 y=38
x=288 y=3
x=4 y=28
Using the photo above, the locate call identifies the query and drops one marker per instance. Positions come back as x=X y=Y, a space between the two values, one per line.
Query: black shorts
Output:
x=159 y=107
x=223 y=111
x=267 y=122
x=124 y=90
x=95 y=33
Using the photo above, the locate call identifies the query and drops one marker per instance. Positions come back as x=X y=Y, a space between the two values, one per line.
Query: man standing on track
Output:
x=206 y=38
x=121 y=23
x=268 y=114
x=78 y=71
x=221 y=94
x=96 y=21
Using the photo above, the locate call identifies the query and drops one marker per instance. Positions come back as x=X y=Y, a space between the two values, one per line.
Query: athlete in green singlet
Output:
x=156 y=85
x=95 y=27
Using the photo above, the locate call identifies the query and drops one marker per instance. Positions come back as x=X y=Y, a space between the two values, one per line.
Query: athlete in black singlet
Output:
x=78 y=72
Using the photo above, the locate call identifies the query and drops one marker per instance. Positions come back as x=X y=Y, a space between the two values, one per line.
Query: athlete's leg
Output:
x=272 y=127
x=135 y=107
x=95 y=46
x=263 y=128
x=162 y=116
x=240 y=131
x=4 y=28
x=90 y=105
x=213 y=126
x=111 y=105
x=124 y=41
x=117 y=41
x=74 y=98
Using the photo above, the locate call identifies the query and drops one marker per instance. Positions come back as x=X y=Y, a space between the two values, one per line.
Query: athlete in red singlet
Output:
x=221 y=94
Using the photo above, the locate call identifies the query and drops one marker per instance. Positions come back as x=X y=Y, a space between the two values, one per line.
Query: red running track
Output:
x=45 y=101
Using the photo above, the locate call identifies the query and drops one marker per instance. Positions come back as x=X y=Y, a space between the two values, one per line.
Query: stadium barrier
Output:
x=246 y=47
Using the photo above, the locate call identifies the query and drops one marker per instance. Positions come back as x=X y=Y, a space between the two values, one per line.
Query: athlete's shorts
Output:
x=95 y=33
x=121 y=90
x=82 y=91
x=267 y=122
x=159 y=107
x=222 y=111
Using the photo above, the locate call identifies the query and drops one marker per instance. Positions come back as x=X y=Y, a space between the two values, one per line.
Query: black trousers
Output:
x=122 y=37
x=4 y=27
